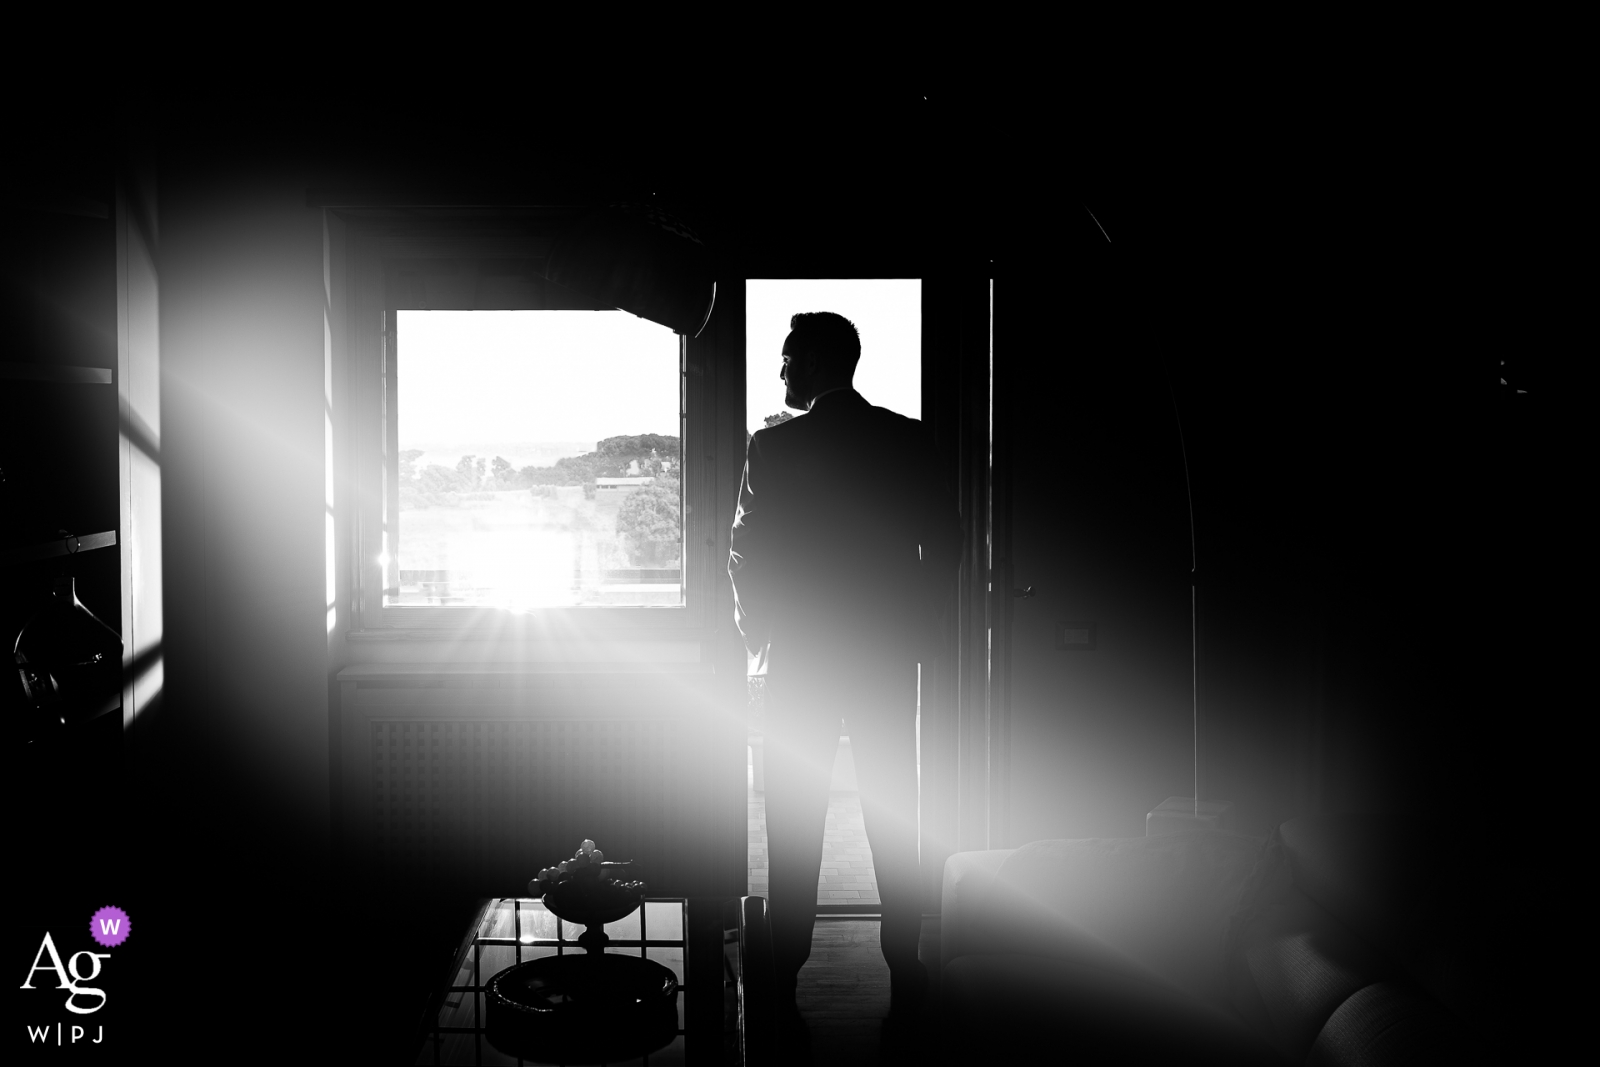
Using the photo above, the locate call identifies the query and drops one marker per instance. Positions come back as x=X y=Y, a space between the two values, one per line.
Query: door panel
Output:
x=1099 y=529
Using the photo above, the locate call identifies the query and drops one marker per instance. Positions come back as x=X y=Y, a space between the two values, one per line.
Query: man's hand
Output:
x=747 y=559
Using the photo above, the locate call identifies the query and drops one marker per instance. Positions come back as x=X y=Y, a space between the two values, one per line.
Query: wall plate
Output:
x=1076 y=636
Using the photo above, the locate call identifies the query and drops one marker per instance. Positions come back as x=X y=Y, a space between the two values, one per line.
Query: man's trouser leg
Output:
x=882 y=728
x=800 y=742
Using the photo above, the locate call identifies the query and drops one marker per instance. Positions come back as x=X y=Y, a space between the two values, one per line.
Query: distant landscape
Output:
x=484 y=530
x=425 y=484
x=518 y=453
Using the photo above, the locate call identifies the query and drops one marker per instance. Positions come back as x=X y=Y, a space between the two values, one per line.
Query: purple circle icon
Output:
x=109 y=926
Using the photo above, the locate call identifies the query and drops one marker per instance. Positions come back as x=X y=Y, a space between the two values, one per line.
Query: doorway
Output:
x=888 y=314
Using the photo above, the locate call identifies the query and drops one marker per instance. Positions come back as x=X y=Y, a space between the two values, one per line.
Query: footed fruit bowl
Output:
x=593 y=903
x=590 y=892
x=590 y=1008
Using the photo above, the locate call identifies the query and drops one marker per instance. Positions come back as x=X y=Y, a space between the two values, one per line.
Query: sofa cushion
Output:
x=1157 y=907
x=1418 y=898
x=968 y=879
x=1021 y=1008
x=1299 y=964
x=1360 y=868
x=1291 y=964
x=1392 y=1023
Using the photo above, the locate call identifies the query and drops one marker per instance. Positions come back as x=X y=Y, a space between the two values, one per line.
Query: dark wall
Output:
x=1377 y=520
x=58 y=300
x=1379 y=523
x=64 y=788
x=1359 y=536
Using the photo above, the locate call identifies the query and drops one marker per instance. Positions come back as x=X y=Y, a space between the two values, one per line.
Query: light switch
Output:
x=1075 y=636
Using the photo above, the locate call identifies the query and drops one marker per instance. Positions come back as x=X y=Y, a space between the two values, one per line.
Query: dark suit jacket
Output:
x=846 y=537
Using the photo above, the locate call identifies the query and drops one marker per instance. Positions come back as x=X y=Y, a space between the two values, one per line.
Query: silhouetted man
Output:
x=844 y=544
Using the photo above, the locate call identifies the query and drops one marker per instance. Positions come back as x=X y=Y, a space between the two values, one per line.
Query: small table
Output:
x=509 y=930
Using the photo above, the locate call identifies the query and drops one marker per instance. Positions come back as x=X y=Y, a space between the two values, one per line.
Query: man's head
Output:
x=821 y=353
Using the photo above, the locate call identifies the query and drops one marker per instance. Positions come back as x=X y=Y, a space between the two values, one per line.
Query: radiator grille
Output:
x=493 y=801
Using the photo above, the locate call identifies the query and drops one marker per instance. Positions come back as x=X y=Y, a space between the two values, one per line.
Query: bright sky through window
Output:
x=538 y=460
x=506 y=377
x=888 y=314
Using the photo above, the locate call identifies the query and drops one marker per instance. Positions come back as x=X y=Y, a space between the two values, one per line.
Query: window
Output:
x=538 y=461
x=530 y=467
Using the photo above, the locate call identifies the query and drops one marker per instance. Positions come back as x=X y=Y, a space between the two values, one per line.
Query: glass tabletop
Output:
x=512 y=930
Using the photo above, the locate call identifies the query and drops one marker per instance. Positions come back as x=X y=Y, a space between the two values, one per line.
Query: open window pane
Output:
x=538 y=460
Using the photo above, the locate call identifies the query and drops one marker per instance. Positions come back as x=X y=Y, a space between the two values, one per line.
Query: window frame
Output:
x=385 y=246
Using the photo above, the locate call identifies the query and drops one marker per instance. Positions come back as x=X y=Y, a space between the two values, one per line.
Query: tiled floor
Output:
x=846 y=876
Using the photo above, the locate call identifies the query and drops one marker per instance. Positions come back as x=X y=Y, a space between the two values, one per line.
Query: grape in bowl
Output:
x=588 y=890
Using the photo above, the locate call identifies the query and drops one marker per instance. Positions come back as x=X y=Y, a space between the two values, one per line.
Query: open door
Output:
x=888 y=313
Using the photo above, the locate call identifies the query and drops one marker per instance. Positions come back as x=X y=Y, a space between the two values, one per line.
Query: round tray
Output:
x=581 y=1009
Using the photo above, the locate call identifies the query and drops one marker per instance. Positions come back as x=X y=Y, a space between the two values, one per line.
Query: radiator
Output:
x=483 y=798
x=473 y=778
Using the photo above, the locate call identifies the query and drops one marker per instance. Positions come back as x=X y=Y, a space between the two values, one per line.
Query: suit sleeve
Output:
x=749 y=557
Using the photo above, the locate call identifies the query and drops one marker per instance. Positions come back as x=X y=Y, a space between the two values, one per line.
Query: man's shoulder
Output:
x=892 y=424
x=798 y=431
x=778 y=432
x=857 y=410
x=895 y=419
